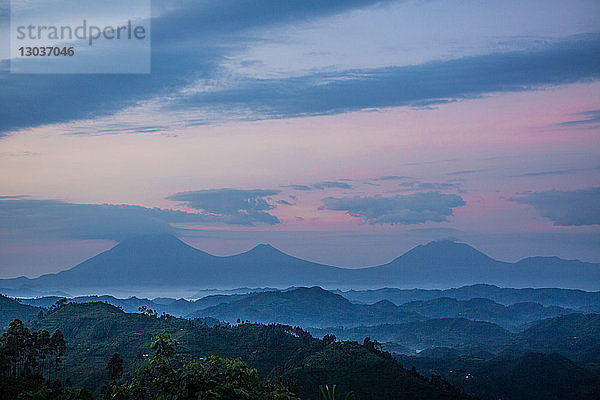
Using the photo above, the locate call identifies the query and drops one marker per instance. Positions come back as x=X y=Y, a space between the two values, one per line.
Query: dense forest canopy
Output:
x=96 y=349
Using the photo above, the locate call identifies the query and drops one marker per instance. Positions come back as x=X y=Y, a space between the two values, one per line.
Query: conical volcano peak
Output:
x=448 y=245
x=152 y=237
x=445 y=243
x=264 y=246
x=153 y=243
x=444 y=250
x=264 y=249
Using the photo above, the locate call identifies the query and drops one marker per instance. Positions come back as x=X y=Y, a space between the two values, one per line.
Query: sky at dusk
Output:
x=343 y=132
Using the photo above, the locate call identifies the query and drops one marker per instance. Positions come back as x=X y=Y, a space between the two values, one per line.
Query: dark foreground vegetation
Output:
x=30 y=363
x=529 y=376
x=58 y=351
x=192 y=359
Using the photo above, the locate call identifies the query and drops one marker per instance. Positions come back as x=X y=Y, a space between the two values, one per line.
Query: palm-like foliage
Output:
x=331 y=393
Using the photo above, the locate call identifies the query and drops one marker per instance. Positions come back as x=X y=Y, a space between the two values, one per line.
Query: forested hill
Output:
x=11 y=309
x=93 y=331
x=316 y=307
x=529 y=376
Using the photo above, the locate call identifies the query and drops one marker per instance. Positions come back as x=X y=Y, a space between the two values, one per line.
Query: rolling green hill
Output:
x=94 y=331
x=532 y=376
x=306 y=307
x=576 y=336
x=481 y=309
x=11 y=309
x=316 y=307
x=413 y=336
x=385 y=379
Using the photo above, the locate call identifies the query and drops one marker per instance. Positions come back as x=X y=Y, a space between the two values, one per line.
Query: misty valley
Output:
x=315 y=332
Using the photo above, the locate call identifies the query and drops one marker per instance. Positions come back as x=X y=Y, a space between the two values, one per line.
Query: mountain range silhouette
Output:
x=167 y=262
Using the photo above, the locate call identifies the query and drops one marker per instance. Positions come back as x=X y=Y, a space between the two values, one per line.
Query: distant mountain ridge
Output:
x=569 y=298
x=175 y=307
x=447 y=263
x=306 y=307
x=163 y=261
x=316 y=307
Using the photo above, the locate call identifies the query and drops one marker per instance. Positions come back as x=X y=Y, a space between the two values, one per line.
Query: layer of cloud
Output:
x=322 y=185
x=391 y=178
x=417 y=185
x=22 y=216
x=563 y=62
x=401 y=209
x=57 y=219
x=468 y=171
x=332 y=185
x=298 y=187
x=189 y=42
x=566 y=208
x=188 y=82
x=232 y=206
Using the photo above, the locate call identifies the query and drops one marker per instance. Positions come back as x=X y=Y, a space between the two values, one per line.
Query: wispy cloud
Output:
x=332 y=185
x=556 y=172
x=417 y=185
x=585 y=119
x=338 y=184
x=468 y=171
x=19 y=154
x=298 y=187
x=391 y=178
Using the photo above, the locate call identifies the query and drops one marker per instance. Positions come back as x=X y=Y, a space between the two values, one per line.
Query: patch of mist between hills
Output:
x=192 y=294
x=139 y=292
